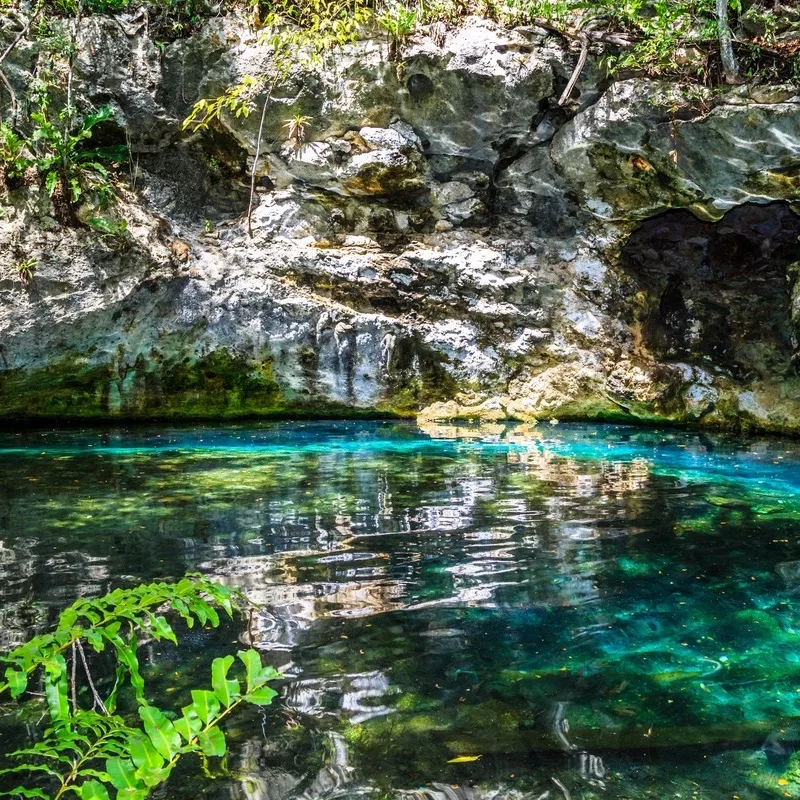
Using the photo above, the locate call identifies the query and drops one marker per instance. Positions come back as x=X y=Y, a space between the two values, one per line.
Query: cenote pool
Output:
x=594 y=611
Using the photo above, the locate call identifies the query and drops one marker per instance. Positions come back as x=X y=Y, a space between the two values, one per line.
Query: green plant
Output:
x=70 y=7
x=448 y=11
x=298 y=33
x=304 y=32
x=399 y=21
x=759 y=17
x=168 y=19
x=14 y=153
x=641 y=35
x=102 y=751
x=237 y=100
x=296 y=128
x=52 y=37
x=173 y=19
x=70 y=169
x=112 y=231
x=208 y=226
x=94 y=752
x=794 y=66
x=25 y=269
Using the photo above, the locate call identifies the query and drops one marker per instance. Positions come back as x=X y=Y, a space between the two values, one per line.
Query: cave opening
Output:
x=718 y=294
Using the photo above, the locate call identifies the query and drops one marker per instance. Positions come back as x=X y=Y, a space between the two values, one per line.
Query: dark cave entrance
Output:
x=718 y=293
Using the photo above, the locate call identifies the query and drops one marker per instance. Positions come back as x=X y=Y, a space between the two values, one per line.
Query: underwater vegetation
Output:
x=598 y=610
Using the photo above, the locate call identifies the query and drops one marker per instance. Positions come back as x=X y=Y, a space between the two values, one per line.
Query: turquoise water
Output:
x=585 y=611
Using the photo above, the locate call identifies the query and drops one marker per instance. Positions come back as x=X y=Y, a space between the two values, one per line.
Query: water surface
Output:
x=594 y=611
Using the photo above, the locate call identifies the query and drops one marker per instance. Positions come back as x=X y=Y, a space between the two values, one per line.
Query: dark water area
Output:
x=584 y=611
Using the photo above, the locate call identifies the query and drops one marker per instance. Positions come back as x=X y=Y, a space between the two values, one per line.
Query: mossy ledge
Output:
x=218 y=386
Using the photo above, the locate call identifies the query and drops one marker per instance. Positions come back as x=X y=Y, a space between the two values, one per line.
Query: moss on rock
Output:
x=220 y=385
x=631 y=181
x=71 y=386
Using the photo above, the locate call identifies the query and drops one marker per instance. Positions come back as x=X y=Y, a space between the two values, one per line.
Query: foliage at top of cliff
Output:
x=680 y=37
x=708 y=41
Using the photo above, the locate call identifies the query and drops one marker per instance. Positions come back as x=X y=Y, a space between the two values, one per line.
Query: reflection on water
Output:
x=594 y=611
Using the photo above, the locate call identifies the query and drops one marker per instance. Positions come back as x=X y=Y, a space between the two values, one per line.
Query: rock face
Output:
x=444 y=234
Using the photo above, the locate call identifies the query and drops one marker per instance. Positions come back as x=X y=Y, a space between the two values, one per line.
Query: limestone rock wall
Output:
x=445 y=234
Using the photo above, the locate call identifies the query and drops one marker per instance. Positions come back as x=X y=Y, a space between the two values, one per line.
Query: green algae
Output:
x=630 y=181
x=218 y=385
x=418 y=378
x=72 y=385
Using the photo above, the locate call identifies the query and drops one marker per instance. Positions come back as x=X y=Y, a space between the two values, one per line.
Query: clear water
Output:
x=595 y=611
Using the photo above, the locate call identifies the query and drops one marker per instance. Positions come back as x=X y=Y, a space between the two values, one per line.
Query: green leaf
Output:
x=204 y=704
x=212 y=742
x=17 y=681
x=25 y=767
x=261 y=697
x=190 y=724
x=103 y=777
x=21 y=790
x=205 y=611
x=226 y=690
x=252 y=664
x=183 y=610
x=119 y=677
x=161 y=731
x=99 y=168
x=55 y=688
x=68 y=617
x=115 y=153
x=132 y=794
x=93 y=790
x=257 y=675
x=101 y=115
x=126 y=653
x=153 y=777
x=95 y=640
x=122 y=773
x=50 y=183
x=186 y=729
x=144 y=755
x=162 y=628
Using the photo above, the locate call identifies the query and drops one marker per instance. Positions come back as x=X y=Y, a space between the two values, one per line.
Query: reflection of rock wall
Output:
x=445 y=232
x=358 y=545
x=258 y=782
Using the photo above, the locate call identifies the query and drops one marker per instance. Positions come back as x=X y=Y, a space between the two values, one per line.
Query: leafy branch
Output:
x=94 y=752
x=114 y=619
x=90 y=752
x=297 y=33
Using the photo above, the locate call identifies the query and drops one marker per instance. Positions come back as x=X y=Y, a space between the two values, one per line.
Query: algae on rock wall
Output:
x=217 y=385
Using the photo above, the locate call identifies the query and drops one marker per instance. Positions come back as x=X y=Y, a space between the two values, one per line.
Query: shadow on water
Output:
x=565 y=611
